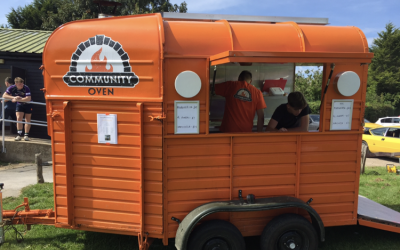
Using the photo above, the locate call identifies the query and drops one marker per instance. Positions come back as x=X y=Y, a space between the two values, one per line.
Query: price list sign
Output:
x=342 y=114
x=187 y=117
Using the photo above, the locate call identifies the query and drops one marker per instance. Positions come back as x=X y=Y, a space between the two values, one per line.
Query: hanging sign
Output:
x=107 y=131
x=187 y=117
x=342 y=114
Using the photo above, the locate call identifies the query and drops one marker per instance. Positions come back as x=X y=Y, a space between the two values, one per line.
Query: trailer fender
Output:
x=188 y=223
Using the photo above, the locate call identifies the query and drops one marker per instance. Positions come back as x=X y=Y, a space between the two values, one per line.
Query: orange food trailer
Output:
x=135 y=142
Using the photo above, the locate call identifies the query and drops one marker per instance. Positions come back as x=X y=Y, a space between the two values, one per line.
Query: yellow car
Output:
x=369 y=125
x=382 y=141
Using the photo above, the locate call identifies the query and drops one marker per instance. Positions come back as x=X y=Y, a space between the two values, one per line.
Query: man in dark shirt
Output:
x=20 y=93
x=9 y=107
x=292 y=116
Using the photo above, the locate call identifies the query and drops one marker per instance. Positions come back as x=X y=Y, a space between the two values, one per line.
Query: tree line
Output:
x=383 y=89
x=50 y=14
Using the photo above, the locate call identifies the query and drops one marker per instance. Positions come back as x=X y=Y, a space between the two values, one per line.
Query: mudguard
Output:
x=187 y=224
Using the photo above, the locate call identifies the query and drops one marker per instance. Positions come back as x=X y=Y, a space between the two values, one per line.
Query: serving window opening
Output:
x=275 y=81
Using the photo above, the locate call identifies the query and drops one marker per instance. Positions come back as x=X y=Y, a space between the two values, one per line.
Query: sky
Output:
x=370 y=16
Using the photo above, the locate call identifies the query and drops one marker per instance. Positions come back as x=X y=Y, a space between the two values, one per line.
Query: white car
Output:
x=389 y=121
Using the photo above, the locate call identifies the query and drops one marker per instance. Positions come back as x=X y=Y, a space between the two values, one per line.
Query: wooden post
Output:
x=364 y=157
x=39 y=168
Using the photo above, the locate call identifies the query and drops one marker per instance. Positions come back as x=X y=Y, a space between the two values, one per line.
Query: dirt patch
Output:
x=379 y=180
x=14 y=165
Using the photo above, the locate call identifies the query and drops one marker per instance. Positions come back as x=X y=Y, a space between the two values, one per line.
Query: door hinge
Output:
x=152 y=118
x=54 y=114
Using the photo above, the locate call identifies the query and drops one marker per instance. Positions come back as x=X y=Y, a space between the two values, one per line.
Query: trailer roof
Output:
x=240 y=18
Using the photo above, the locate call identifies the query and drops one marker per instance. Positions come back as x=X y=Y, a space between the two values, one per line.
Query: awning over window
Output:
x=284 y=57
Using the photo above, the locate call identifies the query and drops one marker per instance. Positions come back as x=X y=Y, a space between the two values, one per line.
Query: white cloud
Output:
x=370 y=41
x=371 y=30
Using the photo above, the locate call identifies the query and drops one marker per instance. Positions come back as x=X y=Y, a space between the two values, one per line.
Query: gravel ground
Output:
x=18 y=175
x=381 y=162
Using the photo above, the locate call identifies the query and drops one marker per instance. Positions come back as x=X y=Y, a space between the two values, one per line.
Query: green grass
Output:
x=383 y=188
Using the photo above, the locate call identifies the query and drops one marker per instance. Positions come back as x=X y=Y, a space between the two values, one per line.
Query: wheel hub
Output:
x=290 y=241
x=216 y=244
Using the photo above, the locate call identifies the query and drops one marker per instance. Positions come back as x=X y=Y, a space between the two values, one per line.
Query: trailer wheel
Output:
x=216 y=235
x=289 y=232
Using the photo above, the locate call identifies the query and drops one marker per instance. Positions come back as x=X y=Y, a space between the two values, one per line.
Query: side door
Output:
x=376 y=141
x=18 y=72
x=391 y=141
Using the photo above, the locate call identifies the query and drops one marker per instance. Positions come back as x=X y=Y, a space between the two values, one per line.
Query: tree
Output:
x=49 y=14
x=309 y=83
x=31 y=16
x=384 y=71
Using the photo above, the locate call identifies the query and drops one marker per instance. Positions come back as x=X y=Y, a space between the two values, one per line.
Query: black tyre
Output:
x=289 y=232
x=368 y=154
x=216 y=235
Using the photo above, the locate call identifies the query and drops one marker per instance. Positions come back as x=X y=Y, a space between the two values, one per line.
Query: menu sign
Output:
x=107 y=131
x=342 y=114
x=187 y=117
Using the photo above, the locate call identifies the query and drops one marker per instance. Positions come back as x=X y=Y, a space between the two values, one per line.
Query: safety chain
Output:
x=11 y=226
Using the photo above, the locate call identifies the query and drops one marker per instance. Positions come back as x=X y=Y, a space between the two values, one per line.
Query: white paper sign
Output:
x=107 y=131
x=342 y=114
x=187 y=117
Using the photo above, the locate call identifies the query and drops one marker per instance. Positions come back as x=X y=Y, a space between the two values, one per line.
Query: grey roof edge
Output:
x=215 y=17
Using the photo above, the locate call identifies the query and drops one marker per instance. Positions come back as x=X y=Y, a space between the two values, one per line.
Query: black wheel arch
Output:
x=191 y=219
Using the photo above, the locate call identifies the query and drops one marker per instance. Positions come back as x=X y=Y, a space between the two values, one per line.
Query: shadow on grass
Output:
x=343 y=238
x=49 y=237
x=348 y=238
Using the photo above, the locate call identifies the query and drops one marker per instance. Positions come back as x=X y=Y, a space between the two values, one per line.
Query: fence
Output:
x=33 y=122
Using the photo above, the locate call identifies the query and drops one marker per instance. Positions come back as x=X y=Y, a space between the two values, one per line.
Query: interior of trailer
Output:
x=264 y=75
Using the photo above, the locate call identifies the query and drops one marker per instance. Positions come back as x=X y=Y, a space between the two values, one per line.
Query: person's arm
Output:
x=5 y=100
x=304 y=122
x=25 y=99
x=272 y=126
x=260 y=121
x=10 y=97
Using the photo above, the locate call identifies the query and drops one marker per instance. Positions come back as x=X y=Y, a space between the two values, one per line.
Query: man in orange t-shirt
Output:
x=243 y=100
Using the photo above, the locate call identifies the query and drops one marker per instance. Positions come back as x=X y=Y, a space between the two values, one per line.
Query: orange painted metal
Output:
x=381 y=226
x=27 y=216
x=136 y=186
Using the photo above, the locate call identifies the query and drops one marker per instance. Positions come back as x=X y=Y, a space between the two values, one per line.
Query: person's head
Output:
x=8 y=81
x=296 y=103
x=245 y=76
x=19 y=82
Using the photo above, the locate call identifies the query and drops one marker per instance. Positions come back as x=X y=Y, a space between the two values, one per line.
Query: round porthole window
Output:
x=348 y=83
x=188 y=84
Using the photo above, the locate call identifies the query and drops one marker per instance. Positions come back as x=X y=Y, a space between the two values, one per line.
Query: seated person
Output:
x=243 y=100
x=292 y=116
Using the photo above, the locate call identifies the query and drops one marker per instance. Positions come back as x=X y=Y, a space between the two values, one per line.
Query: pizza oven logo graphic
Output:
x=243 y=94
x=100 y=62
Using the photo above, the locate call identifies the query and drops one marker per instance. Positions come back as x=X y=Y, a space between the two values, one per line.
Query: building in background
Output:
x=21 y=56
